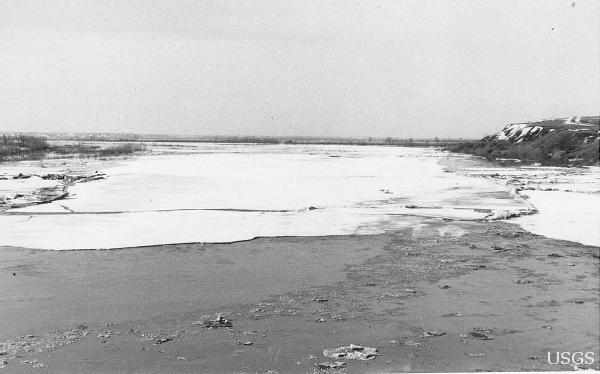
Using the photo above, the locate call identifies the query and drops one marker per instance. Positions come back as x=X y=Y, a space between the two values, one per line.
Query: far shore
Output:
x=425 y=301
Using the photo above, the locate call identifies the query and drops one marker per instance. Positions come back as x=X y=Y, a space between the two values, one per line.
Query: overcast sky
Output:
x=335 y=68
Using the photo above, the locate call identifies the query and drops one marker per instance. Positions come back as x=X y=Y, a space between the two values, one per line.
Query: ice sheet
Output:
x=567 y=199
x=268 y=181
x=224 y=192
x=564 y=215
x=10 y=187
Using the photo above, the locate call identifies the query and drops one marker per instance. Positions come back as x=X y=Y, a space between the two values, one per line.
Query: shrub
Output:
x=27 y=147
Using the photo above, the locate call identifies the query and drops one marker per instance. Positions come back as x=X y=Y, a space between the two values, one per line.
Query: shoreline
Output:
x=368 y=290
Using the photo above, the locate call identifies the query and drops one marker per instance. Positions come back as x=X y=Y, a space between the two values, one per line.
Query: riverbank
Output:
x=143 y=309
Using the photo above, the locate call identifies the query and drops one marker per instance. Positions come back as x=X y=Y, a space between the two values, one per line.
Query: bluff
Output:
x=571 y=141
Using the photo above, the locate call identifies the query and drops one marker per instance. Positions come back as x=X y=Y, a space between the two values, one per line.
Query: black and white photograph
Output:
x=299 y=186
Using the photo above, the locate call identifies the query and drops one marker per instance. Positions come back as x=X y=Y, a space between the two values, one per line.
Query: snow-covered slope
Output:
x=524 y=132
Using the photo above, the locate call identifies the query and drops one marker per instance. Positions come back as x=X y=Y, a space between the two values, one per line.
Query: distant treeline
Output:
x=560 y=148
x=410 y=142
x=110 y=137
x=29 y=147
